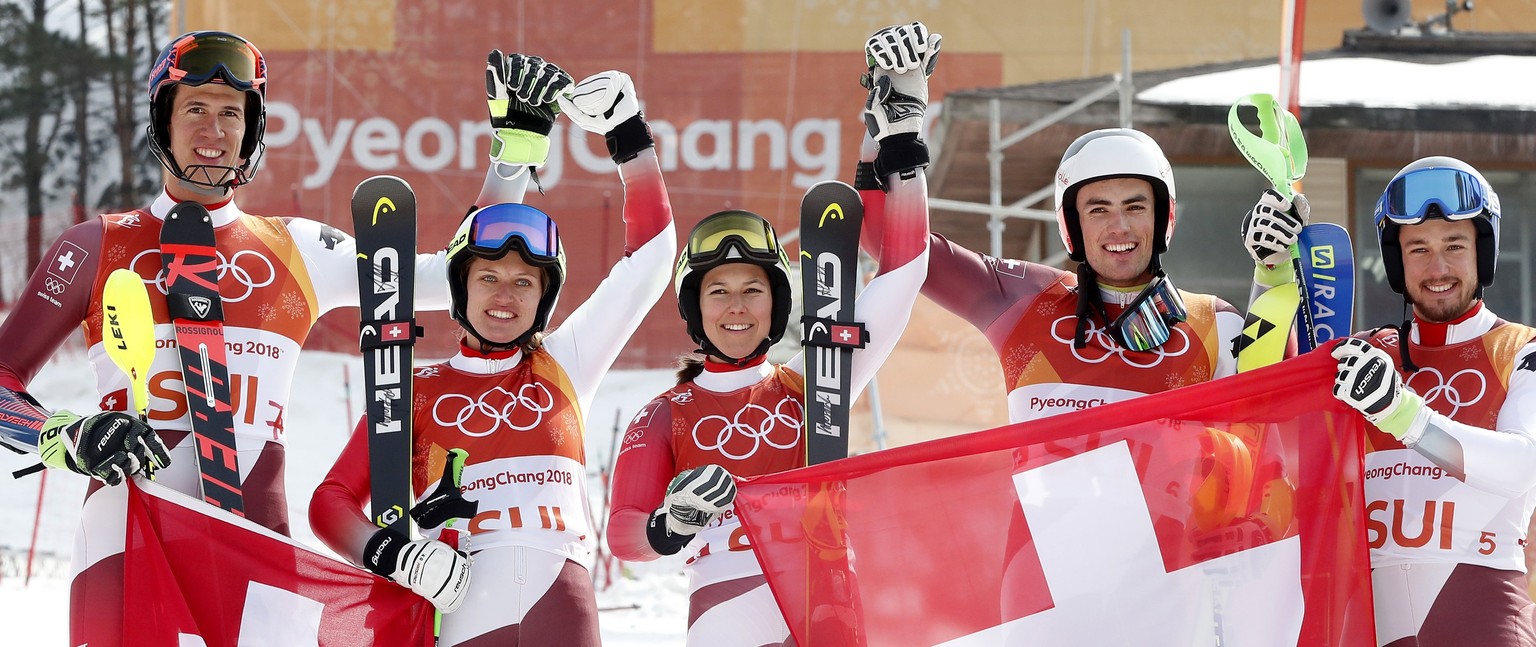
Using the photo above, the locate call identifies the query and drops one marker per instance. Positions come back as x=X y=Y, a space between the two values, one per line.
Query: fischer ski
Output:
x=190 y=255
x=1320 y=306
x=384 y=219
x=831 y=215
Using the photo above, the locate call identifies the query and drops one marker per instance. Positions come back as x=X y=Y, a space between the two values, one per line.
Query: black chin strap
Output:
x=708 y=349
x=1405 y=337
x=488 y=346
x=1089 y=302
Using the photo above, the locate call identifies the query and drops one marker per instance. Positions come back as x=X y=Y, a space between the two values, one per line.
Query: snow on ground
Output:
x=646 y=604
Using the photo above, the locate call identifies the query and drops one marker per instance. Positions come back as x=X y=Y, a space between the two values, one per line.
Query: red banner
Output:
x=198 y=574
x=1228 y=513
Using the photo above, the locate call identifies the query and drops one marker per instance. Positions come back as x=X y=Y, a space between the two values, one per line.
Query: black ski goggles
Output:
x=1457 y=194
x=1148 y=321
x=207 y=56
x=494 y=228
x=713 y=238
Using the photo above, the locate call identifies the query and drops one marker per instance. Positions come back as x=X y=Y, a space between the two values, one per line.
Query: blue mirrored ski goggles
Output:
x=1456 y=193
x=1149 y=319
x=497 y=226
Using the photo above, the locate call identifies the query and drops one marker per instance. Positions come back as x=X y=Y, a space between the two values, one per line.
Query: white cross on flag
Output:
x=395 y=331
x=1228 y=513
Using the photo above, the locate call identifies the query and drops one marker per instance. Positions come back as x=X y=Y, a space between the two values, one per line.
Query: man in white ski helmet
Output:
x=1450 y=464
x=1116 y=328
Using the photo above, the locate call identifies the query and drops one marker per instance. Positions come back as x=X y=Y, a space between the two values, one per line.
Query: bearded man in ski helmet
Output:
x=1451 y=397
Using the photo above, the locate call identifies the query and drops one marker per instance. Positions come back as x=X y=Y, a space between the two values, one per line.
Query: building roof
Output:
x=1378 y=100
x=1458 y=82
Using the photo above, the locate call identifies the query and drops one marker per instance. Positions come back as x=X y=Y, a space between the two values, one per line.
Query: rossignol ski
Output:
x=1327 y=285
x=830 y=217
x=191 y=260
x=384 y=219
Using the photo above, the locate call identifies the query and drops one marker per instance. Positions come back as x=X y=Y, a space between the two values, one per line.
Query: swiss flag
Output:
x=1228 y=513
x=199 y=576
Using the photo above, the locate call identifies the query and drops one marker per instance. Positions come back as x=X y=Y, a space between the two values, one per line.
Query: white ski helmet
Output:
x=1107 y=154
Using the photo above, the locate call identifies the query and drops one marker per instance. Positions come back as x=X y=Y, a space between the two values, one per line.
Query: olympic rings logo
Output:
x=54 y=286
x=753 y=423
x=485 y=415
x=1101 y=345
x=1449 y=390
x=244 y=272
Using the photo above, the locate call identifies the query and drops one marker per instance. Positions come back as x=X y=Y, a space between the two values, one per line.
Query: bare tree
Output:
x=34 y=97
x=82 y=125
x=122 y=34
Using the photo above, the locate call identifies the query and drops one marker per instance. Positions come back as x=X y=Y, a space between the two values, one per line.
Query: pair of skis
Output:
x=1321 y=301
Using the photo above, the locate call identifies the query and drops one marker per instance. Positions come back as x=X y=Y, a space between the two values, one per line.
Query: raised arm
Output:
x=588 y=341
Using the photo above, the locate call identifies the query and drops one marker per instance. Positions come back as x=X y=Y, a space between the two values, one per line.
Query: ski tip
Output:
x=382 y=179
x=188 y=209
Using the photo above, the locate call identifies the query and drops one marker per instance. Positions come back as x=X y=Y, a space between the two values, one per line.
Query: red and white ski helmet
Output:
x=1107 y=154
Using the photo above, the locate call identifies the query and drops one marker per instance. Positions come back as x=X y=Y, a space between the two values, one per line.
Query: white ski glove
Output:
x=521 y=91
x=900 y=58
x=1273 y=225
x=109 y=446
x=696 y=496
x=1369 y=381
x=605 y=104
x=427 y=567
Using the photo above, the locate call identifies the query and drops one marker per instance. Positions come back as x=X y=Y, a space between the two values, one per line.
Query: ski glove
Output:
x=521 y=91
x=605 y=104
x=427 y=567
x=696 y=496
x=1369 y=381
x=1272 y=226
x=900 y=59
x=109 y=446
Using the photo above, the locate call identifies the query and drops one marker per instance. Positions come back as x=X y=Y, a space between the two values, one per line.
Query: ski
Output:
x=1327 y=285
x=191 y=259
x=830 y=217
x=384 y=219
x=1279 y=152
